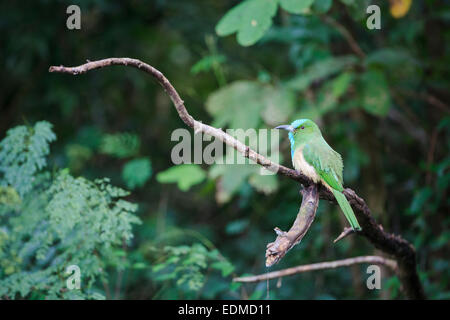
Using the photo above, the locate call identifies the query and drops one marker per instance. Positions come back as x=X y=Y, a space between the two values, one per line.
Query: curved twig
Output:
x=183 y=113
x=319 y=266
x=286 y=240
x=346 y=34
x=392 y=244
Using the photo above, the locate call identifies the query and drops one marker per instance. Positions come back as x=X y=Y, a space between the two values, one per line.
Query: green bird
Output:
x=312 y=156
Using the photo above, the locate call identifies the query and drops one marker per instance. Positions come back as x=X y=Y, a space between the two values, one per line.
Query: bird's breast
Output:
x=300 y=164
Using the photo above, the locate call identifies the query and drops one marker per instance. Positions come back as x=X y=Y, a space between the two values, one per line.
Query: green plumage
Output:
x=347 y=209
x=312 y=155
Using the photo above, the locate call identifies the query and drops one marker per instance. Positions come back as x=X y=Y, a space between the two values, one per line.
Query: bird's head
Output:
x=301 y=127
x=300 y=131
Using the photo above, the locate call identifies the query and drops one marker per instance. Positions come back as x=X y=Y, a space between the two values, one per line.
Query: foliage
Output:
x=207 y=63
x=225 y=105
x=22 y=154
x=185 y=176
x=320 y=70
x=186 y=265
x=122 y=145
x=375 y=93
x=60 y=221
x=250 y=19
x=136 y=172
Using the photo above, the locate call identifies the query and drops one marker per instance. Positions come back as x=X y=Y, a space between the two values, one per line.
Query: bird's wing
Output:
x=326 y=162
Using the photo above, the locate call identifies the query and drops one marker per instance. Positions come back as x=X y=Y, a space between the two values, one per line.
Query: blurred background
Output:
x=380 y=96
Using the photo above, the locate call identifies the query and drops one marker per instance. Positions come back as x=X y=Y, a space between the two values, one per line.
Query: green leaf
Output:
x=136 y=172
x=185 y=175
x=250 y=19
x=224 y=266
x=390 y=57
x=237 y=104
x=139 y=265
x=279 y=104
x=296 y=6
x=322 y=6
x=420 y=199
x=320 y=70
x=376 y=98
x=235 y=286
x=341 y=84
x=120 y=145
x=257 y=294
x=232 y=178
x=240 y=103
x=264 y=183
x=231 y=21
x=207 y=63
x=257 y=20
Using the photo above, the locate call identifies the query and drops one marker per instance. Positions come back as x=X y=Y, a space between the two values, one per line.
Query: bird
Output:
x=312 y=156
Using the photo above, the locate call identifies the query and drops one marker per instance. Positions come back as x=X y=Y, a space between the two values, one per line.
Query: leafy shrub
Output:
x=187 y=264
x=22 y=154
x=57 y=221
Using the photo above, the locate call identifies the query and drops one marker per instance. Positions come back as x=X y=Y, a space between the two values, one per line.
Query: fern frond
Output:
x=23 y=153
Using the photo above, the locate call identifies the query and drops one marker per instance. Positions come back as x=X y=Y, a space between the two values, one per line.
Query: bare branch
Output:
x=428 y=98
x=320 y=266
x=391 y=244
x=184 y=115
x=346 y=34
x=347 y=231
x=286 y=240
x=432 y=100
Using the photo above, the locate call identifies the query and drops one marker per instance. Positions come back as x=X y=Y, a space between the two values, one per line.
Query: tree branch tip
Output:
x=347 y=231
x=279 y=232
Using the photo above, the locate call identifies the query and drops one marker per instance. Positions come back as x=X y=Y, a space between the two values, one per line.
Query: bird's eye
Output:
x=303 y=127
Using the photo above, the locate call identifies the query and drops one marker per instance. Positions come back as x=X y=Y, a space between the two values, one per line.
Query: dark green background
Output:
x=396 y=158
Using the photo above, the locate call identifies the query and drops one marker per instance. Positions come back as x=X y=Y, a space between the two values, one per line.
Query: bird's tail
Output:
x=347 y=209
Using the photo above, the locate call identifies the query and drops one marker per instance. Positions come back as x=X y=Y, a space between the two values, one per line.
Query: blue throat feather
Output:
x=295 y=124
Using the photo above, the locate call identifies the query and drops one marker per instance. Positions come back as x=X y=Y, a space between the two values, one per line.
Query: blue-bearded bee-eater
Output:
x=312 y=156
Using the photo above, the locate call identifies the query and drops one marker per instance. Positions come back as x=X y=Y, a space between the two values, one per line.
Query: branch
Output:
x=286 y=240
x=320 y=266
x=428 y=98
x=391 y=244
x=346 y=34
x=347 y=231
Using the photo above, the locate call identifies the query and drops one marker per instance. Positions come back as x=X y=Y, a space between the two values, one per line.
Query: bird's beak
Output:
x=287 y=127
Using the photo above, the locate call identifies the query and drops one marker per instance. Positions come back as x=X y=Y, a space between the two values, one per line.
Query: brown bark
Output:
x=286 y=240
x=319 y=266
